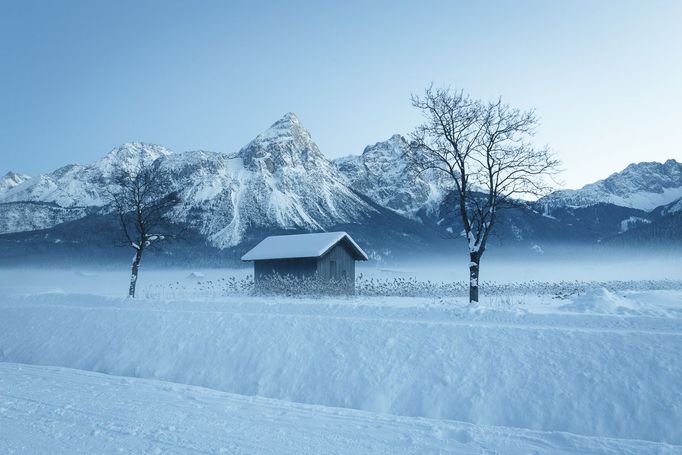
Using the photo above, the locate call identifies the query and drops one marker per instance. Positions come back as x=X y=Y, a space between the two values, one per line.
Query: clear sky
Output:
x=80 y=77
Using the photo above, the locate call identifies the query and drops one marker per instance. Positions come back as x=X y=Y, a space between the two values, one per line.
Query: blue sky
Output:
x=78 y=78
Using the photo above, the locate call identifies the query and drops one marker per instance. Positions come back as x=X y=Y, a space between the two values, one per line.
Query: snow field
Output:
x=63 y=411
x=603 y=375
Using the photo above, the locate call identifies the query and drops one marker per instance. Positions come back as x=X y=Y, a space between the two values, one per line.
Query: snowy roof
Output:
x=301 y=246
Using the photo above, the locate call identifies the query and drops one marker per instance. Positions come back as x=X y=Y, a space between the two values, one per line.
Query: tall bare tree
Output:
x=486 y=149
x=141 y=201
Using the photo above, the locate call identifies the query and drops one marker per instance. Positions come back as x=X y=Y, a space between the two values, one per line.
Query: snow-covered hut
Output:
x=327 y=256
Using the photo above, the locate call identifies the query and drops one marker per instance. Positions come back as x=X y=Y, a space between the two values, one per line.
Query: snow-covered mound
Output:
x=382 y=173
x=64 y=411
x=643 y=186
x=600 y=300
x=597 y=375
x=76 y=185
x=195 y=276
x=12 y=179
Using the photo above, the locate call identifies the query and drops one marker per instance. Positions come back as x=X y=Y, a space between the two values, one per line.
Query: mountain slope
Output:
x=664 y=232
x=523 y=226
x=30 y=216
x=667 y=209
x=641 y=186
x=662 y=228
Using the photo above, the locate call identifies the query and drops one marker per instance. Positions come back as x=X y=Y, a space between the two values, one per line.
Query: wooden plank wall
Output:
x=340 y=254
x=300 y=267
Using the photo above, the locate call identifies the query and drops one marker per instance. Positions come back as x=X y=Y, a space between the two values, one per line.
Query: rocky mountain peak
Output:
x=286 y=143
x=394 y=147
x=381 y=172
x=288 y=128
x=649 y=176
x=130 y=154
x=12 y=179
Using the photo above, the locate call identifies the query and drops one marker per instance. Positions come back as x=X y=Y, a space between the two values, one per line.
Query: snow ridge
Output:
x=582 y=369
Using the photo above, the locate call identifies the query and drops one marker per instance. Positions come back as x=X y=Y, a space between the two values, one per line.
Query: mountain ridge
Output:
x=281 y=182
x=645 y=186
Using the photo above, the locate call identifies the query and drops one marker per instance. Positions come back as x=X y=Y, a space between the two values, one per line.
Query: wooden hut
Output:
x=329 y=257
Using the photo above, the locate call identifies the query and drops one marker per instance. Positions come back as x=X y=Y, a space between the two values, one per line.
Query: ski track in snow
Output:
x=64 y=411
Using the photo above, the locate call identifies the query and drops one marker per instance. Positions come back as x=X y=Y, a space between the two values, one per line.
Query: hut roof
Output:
x=301 y=246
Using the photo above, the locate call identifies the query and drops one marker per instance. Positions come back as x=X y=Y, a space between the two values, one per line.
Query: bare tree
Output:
x=485 y=147
x=141 y=201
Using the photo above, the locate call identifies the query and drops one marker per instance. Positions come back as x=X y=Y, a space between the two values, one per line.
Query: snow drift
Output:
x=64 y=411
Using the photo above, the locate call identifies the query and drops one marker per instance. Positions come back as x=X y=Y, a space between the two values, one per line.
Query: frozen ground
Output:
x=596 y=372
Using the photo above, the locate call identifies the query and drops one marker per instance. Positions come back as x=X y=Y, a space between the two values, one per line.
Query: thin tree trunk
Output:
x=133 y=275
x=475 y=260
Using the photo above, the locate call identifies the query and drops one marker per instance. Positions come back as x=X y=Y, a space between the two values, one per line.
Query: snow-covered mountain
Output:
x=280 y=180
x=598 y=211
x=76 y=185
x=70 y=192
x=12 y=179
x=382 y=173
x=643 y=186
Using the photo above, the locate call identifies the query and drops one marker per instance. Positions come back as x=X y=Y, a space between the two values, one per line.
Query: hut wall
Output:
x=299 y=267
x=337 y=264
